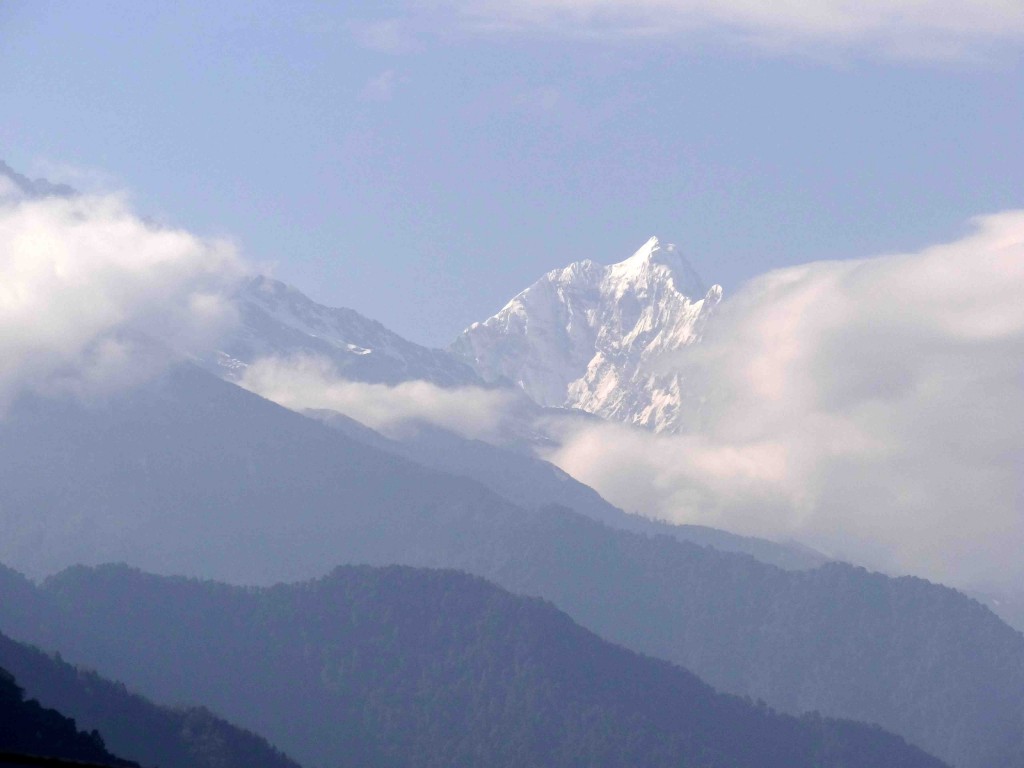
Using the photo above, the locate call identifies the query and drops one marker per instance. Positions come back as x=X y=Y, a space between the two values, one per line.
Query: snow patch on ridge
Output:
x=279 y=321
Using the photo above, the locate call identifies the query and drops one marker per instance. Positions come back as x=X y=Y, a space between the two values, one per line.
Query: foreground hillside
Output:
x=193 y=475
x=27 y=728
x=130 y=725
x=398 y=666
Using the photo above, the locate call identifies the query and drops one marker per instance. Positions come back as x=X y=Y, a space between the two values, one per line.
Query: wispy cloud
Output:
x=380 y=87
x=929 y=29
x=872 y=408
x=391 y=36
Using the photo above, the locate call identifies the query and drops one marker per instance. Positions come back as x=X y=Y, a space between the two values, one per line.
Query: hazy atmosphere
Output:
x=676 y=314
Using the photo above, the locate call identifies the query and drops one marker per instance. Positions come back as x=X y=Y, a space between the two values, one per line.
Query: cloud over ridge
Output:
x=872 y=408
x=93 y=298
x=311 y=383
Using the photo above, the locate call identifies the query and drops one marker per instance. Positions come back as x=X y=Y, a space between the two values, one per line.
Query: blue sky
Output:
x=421 y=162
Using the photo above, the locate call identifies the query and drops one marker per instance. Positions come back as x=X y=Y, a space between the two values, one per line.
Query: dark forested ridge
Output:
x=130 y=725
x=28 y=728
x=193 y=475
x=401 y=666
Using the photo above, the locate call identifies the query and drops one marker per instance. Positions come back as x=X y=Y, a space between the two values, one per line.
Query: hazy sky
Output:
x=423 y=161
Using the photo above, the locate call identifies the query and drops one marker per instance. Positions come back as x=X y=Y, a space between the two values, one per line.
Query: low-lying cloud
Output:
x=93 y=298
x=311 y=383
x=871 y=408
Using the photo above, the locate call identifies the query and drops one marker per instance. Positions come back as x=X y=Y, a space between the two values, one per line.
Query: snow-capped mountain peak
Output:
x=595 y=337
x=653 y=262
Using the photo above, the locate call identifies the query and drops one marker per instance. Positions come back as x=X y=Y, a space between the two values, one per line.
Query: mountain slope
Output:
x=596 y=338
x=280 y=321
x=33 y=188
x=398 y=666
x=530 y=482
x=28 y=728
x=132 y=726
x=193 y=475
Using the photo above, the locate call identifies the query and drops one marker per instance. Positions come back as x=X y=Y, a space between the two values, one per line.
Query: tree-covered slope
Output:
x=193 y=475
x=28 y=728
x=130 y=725
x=412 y=667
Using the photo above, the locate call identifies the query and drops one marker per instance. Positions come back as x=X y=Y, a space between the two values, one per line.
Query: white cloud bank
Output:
x=872 y=408
x=310 y=383
x=903 y=28
x=93 y=298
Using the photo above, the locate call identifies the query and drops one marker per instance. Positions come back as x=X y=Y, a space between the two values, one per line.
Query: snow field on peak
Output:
x=599 y=338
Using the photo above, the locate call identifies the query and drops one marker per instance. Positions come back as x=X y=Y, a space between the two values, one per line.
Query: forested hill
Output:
x=421 y=668
x=187 y=737
x=28 y=728
x=192 y=475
